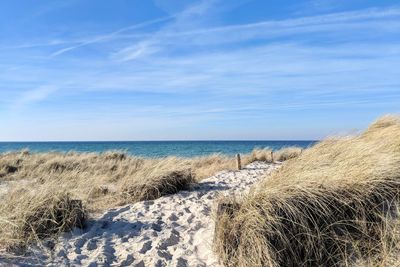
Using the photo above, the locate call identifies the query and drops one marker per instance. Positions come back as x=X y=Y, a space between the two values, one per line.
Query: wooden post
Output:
x=238 y=161
x=272 y=157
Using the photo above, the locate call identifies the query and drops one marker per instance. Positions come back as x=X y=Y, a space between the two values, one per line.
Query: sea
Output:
x=154 y=149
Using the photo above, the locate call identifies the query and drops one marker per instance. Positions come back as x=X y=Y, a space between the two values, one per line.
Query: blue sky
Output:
x=206 y=69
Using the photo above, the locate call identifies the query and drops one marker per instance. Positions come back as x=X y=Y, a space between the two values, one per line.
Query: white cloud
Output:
x=182 y=21
x=181 y=25
x=139 y=50
x=112 y=35
x=187 y=28
x=33 y=96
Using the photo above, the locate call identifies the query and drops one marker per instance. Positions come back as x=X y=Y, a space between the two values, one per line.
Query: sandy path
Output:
x=175 y=230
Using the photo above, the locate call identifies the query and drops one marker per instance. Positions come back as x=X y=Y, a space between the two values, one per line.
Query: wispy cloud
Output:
x=184 y=20
x=111 y=35
x=181 y=29
x=144 y=48
x=181 y=32
x=180 y=36
x=33 y=96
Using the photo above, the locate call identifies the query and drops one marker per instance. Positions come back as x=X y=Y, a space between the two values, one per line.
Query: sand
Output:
x=175 y=230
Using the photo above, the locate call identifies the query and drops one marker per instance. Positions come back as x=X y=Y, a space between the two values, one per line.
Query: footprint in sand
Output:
x=146 y=247
x=128 y=261
x=173 y=217
x=172 y=240
x=91 y=244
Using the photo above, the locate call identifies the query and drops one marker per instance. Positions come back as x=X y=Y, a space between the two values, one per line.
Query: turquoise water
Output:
x=154 y=148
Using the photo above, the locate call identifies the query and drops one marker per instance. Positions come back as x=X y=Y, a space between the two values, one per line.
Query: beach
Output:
x=200 y=133
x=174 y=230
x=334 y=203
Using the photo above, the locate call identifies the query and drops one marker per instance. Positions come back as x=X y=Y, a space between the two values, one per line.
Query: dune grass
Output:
x=53 y=192
x=287 y=153
x=269 y=155
x=108 y=179
x=260 y=154
x=31 y=215
x=46 y=187
x=337 y=204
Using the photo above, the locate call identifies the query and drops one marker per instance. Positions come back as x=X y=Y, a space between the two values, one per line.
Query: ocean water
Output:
x=154 y=148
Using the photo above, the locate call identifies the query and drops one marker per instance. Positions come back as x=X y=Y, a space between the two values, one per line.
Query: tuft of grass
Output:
x=115 y=155
x=260 y=154
x=337 y=204
x=28 y=216
x=268 y=155
x=158 y=186
x=287 y=153
x=158 y=179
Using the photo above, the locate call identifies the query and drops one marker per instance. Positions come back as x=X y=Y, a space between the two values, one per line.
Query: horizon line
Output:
x=166 y=140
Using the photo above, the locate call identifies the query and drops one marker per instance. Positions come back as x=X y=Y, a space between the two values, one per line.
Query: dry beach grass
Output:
x=46 y=186
x=268 y=155
x=52 y=192
x=30 y=216
x=108 y=179
x=337 y=204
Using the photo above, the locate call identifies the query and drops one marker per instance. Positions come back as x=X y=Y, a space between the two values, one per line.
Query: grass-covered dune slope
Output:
x=53 y=192
x=335 y=205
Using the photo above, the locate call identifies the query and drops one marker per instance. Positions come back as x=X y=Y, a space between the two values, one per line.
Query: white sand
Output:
x=175 y=230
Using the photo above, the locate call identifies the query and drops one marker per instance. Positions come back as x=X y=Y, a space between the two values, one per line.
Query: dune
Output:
x=337 y=204
x=334 y=204
x=172 y=230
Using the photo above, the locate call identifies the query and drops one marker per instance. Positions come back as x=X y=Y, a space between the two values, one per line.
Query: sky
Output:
x=196 y=70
